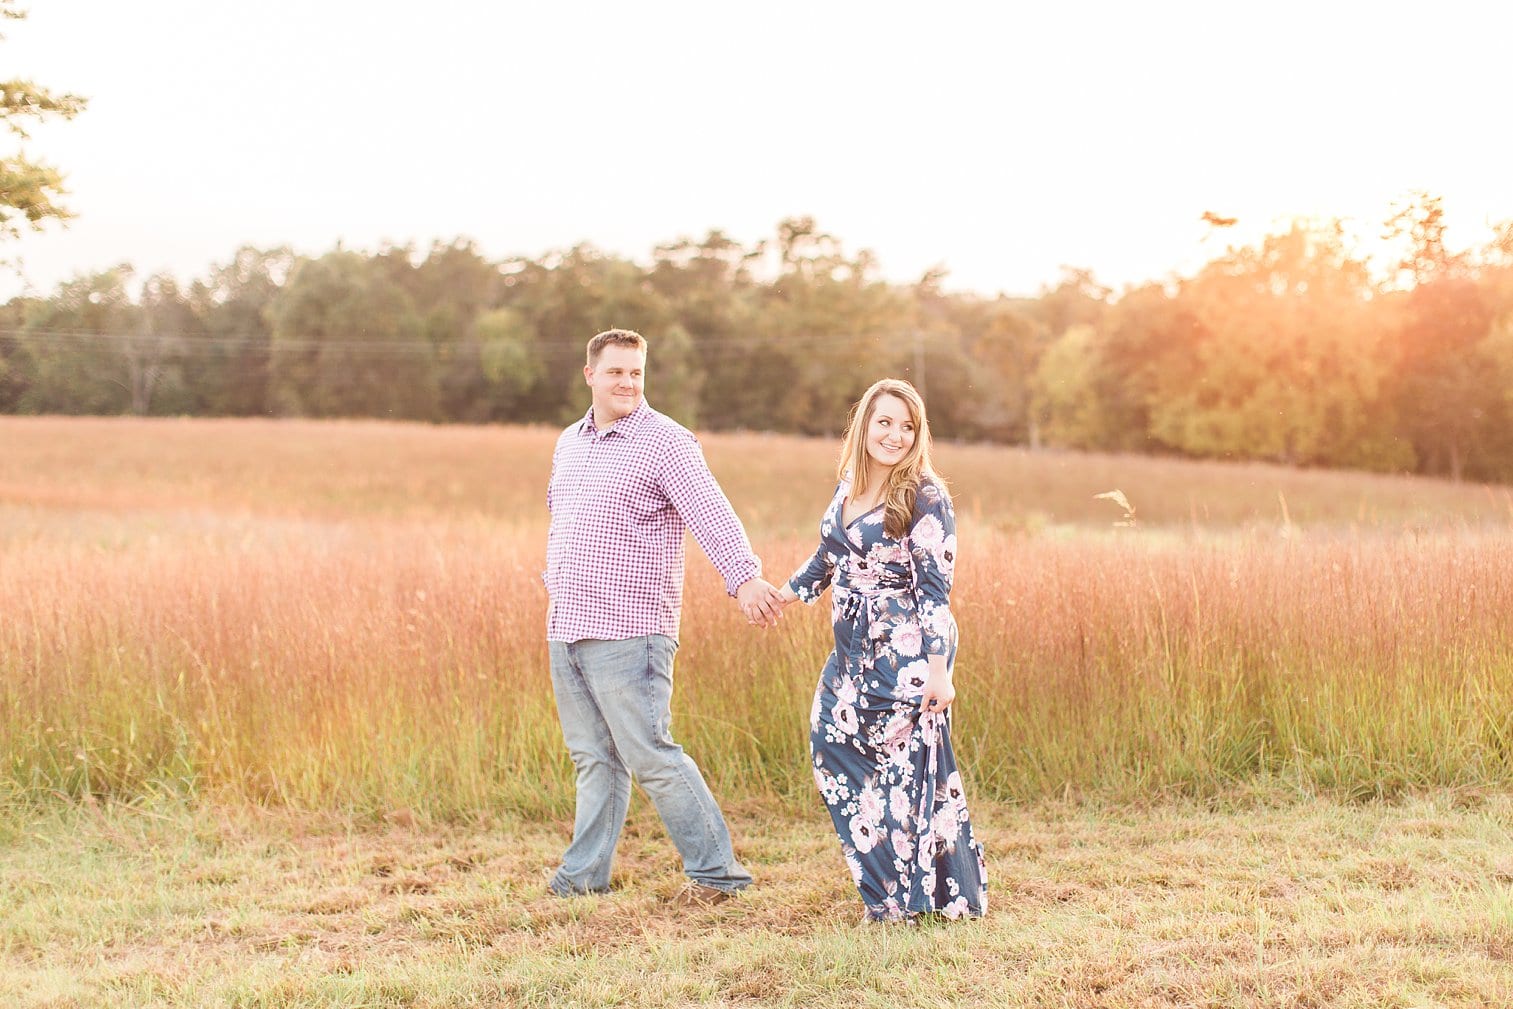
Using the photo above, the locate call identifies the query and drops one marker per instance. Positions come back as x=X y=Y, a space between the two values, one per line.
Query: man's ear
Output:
x=588 y=374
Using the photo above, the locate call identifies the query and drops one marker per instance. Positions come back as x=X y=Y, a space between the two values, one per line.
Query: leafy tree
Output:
x=78 y=347
x=709 y=289
x=154 y=353
x=450 y=289
x=825 y=329
x=936 y=358
x=29 y=190
x=231 y=367
x=1008 y=345
x=1066 y=396
x=509 y=367
x=346 y=342
x=566 y=298
x=677 y=376
x=12 y=372
x=1446 y=394
x=1097 y=385
x=1287 y=363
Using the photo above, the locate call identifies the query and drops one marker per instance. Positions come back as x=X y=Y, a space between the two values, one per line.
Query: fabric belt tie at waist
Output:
x=861 y=608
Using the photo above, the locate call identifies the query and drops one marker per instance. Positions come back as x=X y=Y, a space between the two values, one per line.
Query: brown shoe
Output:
x=699 y=895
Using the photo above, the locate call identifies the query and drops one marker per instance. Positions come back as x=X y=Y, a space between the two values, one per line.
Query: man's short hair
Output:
x=616 y=338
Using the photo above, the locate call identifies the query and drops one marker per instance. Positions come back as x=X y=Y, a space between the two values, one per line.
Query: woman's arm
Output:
x=813 y=577
x=809 y=581
x=932 y=551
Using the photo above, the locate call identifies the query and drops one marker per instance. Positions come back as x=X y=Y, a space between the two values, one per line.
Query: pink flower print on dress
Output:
x=929 y=727
x=845 y=718
x=845 y=690
x=907 y=639
x=863 y=834
x=870 y=804
x=956 y=909
x=903 y=844
x=936 y=621
x=945 y=557
x=957 y=795
x=886 y=552
x=896 y=737
x=911 y=679
x=898 y=805
x=831 y=787
x=945 y=826
x=927 y=533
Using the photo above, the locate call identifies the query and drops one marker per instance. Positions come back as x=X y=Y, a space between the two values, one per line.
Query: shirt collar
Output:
x=626 y=426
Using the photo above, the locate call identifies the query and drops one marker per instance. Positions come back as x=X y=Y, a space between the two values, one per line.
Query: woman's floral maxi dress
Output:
x=884 y=767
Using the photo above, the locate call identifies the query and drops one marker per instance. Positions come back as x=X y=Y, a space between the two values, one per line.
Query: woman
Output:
x=880 y=726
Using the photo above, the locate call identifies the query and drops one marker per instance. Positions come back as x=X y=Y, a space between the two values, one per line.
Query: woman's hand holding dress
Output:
x=939 y=692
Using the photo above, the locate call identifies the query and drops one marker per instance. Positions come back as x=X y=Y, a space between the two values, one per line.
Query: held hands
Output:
x=760 y=601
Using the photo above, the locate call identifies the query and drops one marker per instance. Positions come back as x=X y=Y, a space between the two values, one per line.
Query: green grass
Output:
x=1241 y=904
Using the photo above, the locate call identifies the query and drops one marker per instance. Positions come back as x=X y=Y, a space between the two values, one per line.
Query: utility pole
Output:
x=919 y=363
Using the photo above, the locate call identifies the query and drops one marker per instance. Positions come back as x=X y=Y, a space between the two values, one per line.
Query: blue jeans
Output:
x=614 y=700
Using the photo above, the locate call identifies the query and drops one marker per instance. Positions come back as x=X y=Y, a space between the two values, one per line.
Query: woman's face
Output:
x=890 y=432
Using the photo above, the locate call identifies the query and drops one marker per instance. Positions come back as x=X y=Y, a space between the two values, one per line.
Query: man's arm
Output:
x=694 y=492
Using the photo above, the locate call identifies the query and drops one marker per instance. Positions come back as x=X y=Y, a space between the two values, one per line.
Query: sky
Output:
x=1001 y=141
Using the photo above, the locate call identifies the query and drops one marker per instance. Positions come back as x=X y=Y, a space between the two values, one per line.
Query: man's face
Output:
x=617 y=380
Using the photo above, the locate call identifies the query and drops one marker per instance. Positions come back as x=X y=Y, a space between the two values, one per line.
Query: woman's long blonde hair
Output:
x=903 y=481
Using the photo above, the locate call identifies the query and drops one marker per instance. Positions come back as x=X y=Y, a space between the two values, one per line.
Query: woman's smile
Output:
x=890 y=432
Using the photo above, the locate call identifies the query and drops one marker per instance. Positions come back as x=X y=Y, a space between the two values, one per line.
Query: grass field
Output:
x=1252 y=750
x=1310 y=904
x=348 y=616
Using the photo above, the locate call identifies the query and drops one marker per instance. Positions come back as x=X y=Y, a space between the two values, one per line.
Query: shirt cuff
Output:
x=741 y=574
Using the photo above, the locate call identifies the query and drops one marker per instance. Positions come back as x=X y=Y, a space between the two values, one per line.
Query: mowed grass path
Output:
x=1309 y=904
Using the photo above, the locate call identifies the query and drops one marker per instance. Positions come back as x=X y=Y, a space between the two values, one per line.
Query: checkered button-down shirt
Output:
x=620 y=501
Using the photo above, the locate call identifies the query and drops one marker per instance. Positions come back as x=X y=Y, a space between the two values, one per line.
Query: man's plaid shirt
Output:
x=620 y=501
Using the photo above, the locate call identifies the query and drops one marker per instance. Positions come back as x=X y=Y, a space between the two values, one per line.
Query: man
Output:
x=626 y=482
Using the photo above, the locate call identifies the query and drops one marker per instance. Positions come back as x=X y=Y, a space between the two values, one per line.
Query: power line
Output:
x=202 y=342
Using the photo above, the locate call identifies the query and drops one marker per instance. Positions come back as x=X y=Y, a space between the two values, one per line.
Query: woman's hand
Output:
x=939 y=692
x=786 y=595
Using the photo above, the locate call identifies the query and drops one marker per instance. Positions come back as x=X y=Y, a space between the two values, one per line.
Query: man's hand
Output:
x=760 y=601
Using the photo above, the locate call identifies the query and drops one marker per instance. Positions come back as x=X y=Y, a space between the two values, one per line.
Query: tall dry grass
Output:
x=350 y=616
x=342 y=470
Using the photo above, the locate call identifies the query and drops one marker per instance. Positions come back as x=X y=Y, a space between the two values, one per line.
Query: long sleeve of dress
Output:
x=810 y=581
x=932 y=548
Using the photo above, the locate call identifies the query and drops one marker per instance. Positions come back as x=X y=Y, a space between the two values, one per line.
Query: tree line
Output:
x=1287 y=350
